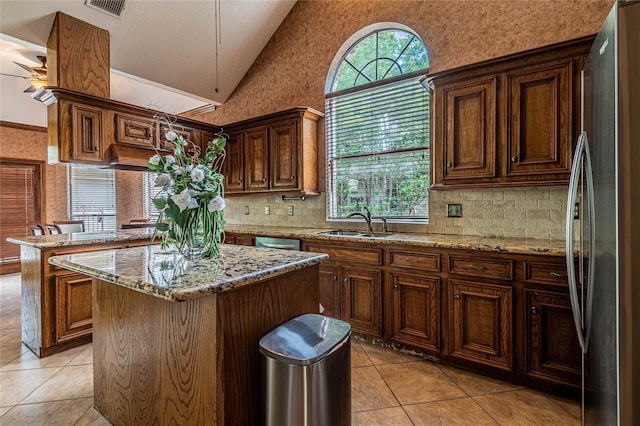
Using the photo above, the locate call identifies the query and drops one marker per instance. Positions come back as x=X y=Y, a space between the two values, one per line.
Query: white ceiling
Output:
x=163 y=53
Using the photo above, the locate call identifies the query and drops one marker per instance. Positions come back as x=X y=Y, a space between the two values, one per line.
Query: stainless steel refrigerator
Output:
x=603 y=228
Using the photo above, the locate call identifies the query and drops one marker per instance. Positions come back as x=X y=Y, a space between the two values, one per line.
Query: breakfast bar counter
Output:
x=176 y=341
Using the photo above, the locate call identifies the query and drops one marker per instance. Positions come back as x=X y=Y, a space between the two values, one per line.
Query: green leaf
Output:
x=162 y=227
x=159 y=203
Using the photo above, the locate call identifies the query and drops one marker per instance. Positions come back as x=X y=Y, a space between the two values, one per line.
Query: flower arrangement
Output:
x=190 y=199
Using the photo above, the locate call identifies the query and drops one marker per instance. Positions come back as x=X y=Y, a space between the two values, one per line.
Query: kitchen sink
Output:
x=358 y=234
x=341 y=232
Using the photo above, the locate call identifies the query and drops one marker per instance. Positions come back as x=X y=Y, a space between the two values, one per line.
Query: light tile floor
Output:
x=388 y=388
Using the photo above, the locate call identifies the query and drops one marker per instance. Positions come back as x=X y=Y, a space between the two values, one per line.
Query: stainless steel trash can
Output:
x=306 y=372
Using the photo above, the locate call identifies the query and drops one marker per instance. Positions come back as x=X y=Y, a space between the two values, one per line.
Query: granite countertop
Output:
x=83 y=238
x=169 y=276
x=488 y=244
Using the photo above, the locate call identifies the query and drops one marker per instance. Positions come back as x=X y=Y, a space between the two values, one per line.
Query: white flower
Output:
x=184 y=200
x=216 y=204
x=197 y=174
x=177 y=169
x=155 y=160
x=164 y=180
x=171 y=135
x=170 y=159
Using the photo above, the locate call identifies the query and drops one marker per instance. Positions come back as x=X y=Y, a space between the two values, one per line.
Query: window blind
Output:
x=20 y=202
x=92 y=197
x=378 y=151
x=149 y=191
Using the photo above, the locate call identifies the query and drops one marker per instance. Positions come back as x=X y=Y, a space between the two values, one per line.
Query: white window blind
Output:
x=149 y=191
x=92 y=197
x=378 y=151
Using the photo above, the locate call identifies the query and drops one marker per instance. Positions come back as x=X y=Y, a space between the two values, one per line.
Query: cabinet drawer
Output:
x=545 y=273
x=422 y=261
x=501 y=269
x=136 y=130
x=371 y=256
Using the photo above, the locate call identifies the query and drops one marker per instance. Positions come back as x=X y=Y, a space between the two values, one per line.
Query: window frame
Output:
x=416 y=75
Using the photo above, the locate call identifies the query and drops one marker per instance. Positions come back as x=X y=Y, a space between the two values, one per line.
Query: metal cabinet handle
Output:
x=335 y=278
x=293 y=177
x=346 y=280
x=554 y=274
x=514 y=158
x=449 y=164
x=456 y=296
x=474 y=267
x=534 y=310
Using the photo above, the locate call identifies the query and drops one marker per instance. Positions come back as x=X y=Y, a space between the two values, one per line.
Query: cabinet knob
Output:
x=449 y=164
x=456 y=296
x=395 y=286
x=96 y=149
x=292 y=177
x=335 y=278
x=534 y=310
x=346 y=280
x=514 y=158
x=240 y=180
x=264 y=179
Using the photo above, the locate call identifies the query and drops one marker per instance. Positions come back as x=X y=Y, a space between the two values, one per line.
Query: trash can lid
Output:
x=305 y=339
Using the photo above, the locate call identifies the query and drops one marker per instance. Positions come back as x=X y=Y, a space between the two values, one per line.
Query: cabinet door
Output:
x=192 y=136
x=330 y=290
x=73 y=306
x=134 y=130
x=540 y=106
x=416 y=310
x=553 y=352
x=480 y=322
x=362 y=299
x=467 y=124
x=256 y=158
x=87 y=125
x=233 y=165
x=284 y=156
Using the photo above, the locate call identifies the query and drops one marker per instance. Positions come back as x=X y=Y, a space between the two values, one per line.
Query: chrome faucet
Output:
x=384 y=224
x=366 y=217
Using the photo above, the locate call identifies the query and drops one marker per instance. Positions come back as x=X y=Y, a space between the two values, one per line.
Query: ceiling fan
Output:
x=38 y=77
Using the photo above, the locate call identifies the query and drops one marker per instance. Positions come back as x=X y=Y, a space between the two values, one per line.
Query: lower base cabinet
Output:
x=362 y=299
x=73 y=306
x=481 y=323
x=552 y=348
x=416 y=310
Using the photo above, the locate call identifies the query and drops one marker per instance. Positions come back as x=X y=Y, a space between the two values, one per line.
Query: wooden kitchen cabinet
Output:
x=362 y=299
x=467 y=122
x=276 y=152
x=73 y=306
x=510 y=121
x=135 y=130
x=256 y=158
x=351 y=285
x=552 y=349
x=330 y=290
x=481 y=323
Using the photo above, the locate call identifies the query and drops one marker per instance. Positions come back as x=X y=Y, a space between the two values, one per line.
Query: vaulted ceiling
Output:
x=163 y=53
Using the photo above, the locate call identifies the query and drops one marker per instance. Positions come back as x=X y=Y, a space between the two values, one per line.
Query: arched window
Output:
x=377 y=127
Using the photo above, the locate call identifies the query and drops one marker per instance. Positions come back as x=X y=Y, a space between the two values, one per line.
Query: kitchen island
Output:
x=56 y=303
x=176 y=342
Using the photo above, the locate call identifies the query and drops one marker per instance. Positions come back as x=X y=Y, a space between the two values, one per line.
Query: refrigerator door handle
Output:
x=571 y=275
x=591 y=215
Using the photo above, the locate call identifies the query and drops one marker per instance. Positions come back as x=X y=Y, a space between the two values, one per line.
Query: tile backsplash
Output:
x=534 y=212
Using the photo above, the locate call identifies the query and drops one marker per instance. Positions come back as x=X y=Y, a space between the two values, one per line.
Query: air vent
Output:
x=112 y=7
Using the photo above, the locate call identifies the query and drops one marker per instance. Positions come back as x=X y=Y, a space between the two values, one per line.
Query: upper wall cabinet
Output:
x=88 y=129
x=273 y=153
x=511 y=121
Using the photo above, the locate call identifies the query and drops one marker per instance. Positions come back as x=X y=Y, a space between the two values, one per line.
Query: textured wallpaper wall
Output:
x=293 y=67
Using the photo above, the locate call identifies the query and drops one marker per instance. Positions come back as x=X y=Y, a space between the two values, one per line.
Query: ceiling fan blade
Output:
x=13 y=75
x=29 y=89
x=23 y=66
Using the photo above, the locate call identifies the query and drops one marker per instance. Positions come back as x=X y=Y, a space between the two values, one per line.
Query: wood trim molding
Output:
x=21 y=126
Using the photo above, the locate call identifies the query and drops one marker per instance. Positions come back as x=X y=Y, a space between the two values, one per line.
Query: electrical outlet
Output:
x=267 y=210
x=576 y=211
x=246 y=210
x=290 y=210
x=454 y=210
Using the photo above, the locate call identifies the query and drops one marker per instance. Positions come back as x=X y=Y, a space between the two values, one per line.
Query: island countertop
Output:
x=169 y=276
x=83 y=238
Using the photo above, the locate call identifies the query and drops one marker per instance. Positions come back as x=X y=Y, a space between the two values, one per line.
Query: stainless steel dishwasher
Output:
x=279 y=243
